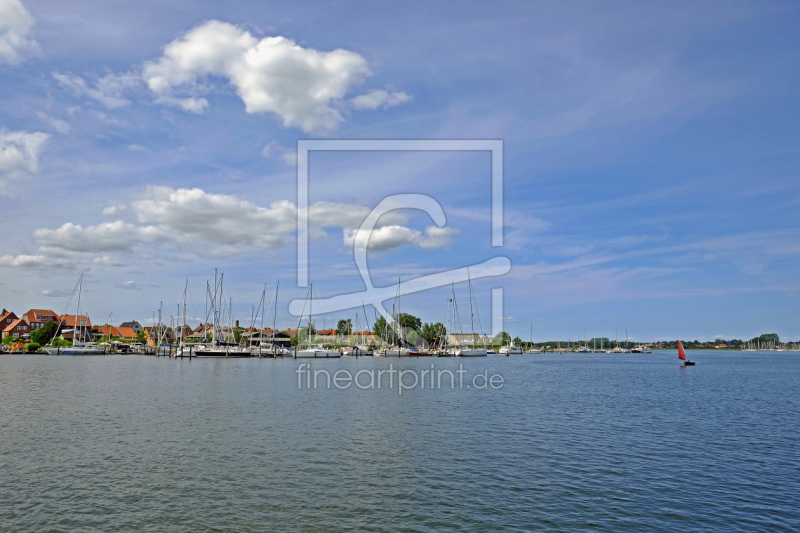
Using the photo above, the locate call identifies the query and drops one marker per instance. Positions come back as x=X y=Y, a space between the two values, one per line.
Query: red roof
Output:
x=107 y=331
x=6 y=315
x=326 y=332
x=69 y=320
x=126 y=333
x=13 y=326
x=34 y=314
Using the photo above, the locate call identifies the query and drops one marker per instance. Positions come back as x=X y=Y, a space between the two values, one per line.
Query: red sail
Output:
x=681 y=353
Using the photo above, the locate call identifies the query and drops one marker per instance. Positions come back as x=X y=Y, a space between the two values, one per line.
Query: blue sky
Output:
x=651 y=156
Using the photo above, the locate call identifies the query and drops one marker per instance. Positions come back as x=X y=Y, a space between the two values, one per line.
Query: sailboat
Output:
x=400 y=350
x=533 y=350
x=86 y=348
x=472 y=352
x=313 y=352
x=682 y=355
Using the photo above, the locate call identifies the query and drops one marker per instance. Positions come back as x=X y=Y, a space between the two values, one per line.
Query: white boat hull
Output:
x=472 y=353
x=316 y=354
x=67 y=350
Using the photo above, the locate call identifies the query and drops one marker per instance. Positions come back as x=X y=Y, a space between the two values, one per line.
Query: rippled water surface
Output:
x=570 y=443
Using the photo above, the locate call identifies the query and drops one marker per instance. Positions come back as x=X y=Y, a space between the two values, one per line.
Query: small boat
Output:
x=314 y=352
x=510 y=350
x=682 y=355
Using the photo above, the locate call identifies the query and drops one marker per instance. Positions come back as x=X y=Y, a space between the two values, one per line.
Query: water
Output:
x=579 y=442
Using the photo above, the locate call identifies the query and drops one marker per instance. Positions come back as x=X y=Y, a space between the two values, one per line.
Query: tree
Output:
x=517 y=341
x=45 y=334
x=409 y=321
x=237 y=335
x=502 y=338
x=33 y=346
x=767 y=338
x=433 y=333
x=140 y=337
x=344 y=327
x=382 y=330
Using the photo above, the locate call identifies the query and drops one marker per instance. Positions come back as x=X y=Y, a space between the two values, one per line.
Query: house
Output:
x=159 y=335
x=187 y=332
x=202 y=328
x=463 y=339
x=83 y=330
x=127 y=334
x=38 y=318
x=134 y=325
x=105 y=331
x=6 y=318
x=292 y=332
x=17 y=328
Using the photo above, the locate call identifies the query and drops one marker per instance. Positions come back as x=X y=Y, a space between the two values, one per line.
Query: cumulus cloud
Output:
x=389 y=238
x=128 y=286
x=302 y=86
x=110 y=236
x=59 y=125
x=19 y=155
x=22 y=260
x=194 y=221
x=113 y=210
x=15 y=28
x=379 y=98
x=108 y=90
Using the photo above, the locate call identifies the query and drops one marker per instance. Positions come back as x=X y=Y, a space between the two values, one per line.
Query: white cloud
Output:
x=109 y=236
x=197 y=106
x=19 y=155
x=55 y=293
x=22 y=260
x=137 y=148
x=105 y=118
x=193 y=217
x=15 y=28
x=379 y=98
x=302 y=86
x=393 y=237
x=107 y=261
x=128 y=286
x=113 y=210
x=287 y=155
x=108 y=90
x=59 y=125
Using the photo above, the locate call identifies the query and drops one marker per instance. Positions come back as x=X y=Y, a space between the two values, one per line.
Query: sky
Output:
x=651 y=157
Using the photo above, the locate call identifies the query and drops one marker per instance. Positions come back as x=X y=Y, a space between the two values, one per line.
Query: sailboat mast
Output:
x=471 y=312
x=275 y=314
x=310 y=311
x=77 y=310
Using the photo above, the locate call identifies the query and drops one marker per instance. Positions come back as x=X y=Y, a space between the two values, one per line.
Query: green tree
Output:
x=382 y=330
x=45 y=334
x=33 y=346
x=434 y=333
x=767 y=338
x=140 y=337
x=502 y=338
x=517 y=341
x=409 y=321
x=237 y=335
x=344 y=327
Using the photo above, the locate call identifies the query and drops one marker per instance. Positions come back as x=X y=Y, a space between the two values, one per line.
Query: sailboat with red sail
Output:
x=682 y=355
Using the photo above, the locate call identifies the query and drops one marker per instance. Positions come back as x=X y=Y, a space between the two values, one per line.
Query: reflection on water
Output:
x=571 y=442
